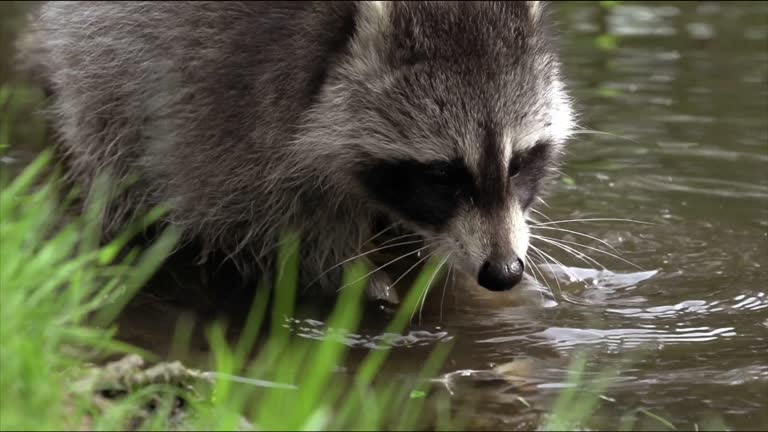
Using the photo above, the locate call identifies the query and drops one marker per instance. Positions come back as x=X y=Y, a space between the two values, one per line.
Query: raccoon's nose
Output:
x=501 y=275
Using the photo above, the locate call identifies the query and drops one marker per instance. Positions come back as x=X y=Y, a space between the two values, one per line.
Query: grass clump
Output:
x=54 y=276
x=62 y=289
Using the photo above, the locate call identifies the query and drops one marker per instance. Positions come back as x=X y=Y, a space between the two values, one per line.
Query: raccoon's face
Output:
x=464 y=119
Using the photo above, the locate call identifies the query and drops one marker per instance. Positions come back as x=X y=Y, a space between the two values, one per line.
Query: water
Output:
x=679 y=91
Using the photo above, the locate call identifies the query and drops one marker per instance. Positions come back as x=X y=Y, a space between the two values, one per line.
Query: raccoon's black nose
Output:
x=501 y=275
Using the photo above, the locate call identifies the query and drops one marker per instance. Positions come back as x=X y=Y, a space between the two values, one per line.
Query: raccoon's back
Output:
x=193 y=101
x=221 y=66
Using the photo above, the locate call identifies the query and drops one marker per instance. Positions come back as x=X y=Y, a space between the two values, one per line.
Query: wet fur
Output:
x=249 y=118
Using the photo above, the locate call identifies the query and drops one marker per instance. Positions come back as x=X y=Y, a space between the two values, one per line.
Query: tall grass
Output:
x=62 y=289
x=53 y=276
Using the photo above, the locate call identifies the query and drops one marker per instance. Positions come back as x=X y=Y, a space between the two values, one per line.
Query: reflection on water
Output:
x=674 y=101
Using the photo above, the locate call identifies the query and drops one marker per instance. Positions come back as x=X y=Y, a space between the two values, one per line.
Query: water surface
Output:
x=676 y=97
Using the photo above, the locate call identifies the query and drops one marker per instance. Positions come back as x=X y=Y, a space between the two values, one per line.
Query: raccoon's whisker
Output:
x=601 y=251
x=429 y=285
x=573 y=252
x=575 y=233
x=546 y=256
x=544 y=278
x=453 y=286
x=532 y=265
x=551 y=222
x=383 y=266
x=540 y=214
x=597 y=132
x=400 y=238
x=565 y=269
x=528 y=261
x=426 y=257
x=544 y=261
x=533 y=273
x=445 y=285
x=378 y=234
x=360 y=256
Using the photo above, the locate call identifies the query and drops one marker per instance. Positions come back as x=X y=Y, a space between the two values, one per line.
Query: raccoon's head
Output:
x=458 y=116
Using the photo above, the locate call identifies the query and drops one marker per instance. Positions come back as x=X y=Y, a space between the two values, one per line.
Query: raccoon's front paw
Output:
x=380 y=289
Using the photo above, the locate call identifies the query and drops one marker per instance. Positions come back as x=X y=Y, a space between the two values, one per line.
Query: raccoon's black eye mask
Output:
x=431 y=193
x=424 y=193
x=527 y=171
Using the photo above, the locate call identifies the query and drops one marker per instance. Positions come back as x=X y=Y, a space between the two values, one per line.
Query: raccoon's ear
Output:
x=535 y=9
x=373 y=15
x=372 y=25
x=373 y=19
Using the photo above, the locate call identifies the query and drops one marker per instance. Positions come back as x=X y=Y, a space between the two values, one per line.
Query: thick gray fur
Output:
x=249 y=118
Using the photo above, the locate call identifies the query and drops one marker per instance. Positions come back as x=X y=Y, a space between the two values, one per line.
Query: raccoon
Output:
x=249 y=118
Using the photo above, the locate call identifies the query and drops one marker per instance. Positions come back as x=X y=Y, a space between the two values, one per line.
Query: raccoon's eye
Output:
x=439 y=176
x=531 y=160
x=515 y=165
x=442 y=174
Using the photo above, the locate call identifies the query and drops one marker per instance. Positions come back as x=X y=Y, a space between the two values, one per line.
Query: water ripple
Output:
x=563 y=337
x=317 y=330
x=704 y=186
